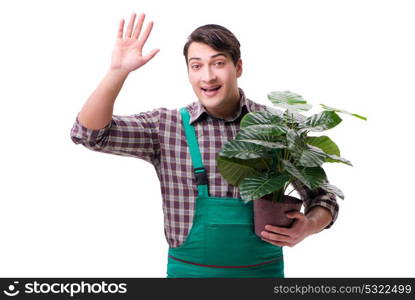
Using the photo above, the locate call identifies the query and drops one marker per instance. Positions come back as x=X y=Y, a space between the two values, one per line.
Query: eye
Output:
x=195 y=67
x=220 y=63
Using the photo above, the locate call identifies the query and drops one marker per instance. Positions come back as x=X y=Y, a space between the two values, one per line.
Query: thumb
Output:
x=294 y=215
x=151 y=54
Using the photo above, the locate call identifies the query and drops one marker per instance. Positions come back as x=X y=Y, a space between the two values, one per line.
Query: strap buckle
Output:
x=201 y=176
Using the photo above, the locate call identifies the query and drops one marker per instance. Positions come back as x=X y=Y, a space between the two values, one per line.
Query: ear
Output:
x=239 y=68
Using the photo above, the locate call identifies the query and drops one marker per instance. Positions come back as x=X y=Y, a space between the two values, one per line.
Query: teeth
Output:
x=211 y=89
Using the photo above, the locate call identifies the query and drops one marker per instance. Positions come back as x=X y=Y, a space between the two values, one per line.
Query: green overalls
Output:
x=222 y=241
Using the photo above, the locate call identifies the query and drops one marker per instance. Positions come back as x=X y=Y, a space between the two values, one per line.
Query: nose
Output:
x=208 y=75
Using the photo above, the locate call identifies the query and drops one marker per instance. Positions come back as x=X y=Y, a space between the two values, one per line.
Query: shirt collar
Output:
x=197 y=110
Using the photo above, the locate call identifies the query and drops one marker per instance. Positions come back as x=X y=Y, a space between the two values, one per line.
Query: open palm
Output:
x=127 y=54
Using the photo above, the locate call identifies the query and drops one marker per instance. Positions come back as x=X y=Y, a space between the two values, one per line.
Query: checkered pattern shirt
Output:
x=158 y=137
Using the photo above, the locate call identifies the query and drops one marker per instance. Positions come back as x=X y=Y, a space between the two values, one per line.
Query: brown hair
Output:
x=217 y=37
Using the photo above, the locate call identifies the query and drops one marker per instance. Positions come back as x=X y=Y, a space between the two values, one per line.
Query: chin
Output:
x=211 y=103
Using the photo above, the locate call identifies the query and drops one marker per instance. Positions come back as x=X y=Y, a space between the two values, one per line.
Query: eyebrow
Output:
x=213 y=56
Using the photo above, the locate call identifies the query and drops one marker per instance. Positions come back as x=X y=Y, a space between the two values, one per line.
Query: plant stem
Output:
x=265 y=162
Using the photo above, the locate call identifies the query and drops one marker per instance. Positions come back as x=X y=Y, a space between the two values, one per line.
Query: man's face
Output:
x=213 y=77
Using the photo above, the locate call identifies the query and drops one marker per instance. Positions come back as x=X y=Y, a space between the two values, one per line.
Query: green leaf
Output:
x=310 y=177
x=332 y=189
x=294 y=141
x=259 y=118
x=235 y=170
x=259 y=164
x=269 y=129
x=243 y=150
x=289 y=100
x=329 y=147
x=312 y=157
x=334 y=158
x=269 y=138
x=324 y=143
x=254 y=187
x=271 y=145
x=342 y=111
x=292 y=116
x=322 y=121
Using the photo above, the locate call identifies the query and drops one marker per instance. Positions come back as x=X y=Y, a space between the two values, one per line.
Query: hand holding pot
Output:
x=282 y=236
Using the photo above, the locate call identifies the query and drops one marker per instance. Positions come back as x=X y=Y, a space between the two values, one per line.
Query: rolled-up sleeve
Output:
x=318 y=197
x=133 y=135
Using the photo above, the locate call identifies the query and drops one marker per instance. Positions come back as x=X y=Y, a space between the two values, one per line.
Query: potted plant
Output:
x=273 y=150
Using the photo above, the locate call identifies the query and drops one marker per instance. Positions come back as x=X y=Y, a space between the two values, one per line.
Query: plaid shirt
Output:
x=157 y=136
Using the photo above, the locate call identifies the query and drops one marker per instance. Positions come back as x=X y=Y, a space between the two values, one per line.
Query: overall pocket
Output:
x=232 y=245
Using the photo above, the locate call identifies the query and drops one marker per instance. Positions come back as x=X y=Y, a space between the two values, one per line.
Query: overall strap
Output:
x=198 y=167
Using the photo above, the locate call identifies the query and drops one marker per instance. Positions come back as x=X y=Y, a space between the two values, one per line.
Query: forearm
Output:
x=98 y=109
x=320 y=217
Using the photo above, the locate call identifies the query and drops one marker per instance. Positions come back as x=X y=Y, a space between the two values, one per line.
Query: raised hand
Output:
x=127 y=55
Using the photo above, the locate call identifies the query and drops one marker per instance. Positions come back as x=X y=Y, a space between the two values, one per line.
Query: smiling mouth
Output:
x=211 y=90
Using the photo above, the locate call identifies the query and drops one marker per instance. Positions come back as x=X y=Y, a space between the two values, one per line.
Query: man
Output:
x=207 y=226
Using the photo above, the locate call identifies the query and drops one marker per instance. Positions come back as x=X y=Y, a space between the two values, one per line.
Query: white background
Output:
x=68 y=211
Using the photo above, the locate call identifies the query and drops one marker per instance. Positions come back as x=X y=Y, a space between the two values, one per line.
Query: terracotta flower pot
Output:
x=267 y=212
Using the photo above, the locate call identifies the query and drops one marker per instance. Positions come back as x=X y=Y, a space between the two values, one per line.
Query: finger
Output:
x=130 y=26
x=120 y=29
x=277 y=229
x=295 y=215
x=275 y=237
x=151 y=54
x=146 y=33
x=281 y=244
x=139 y=25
